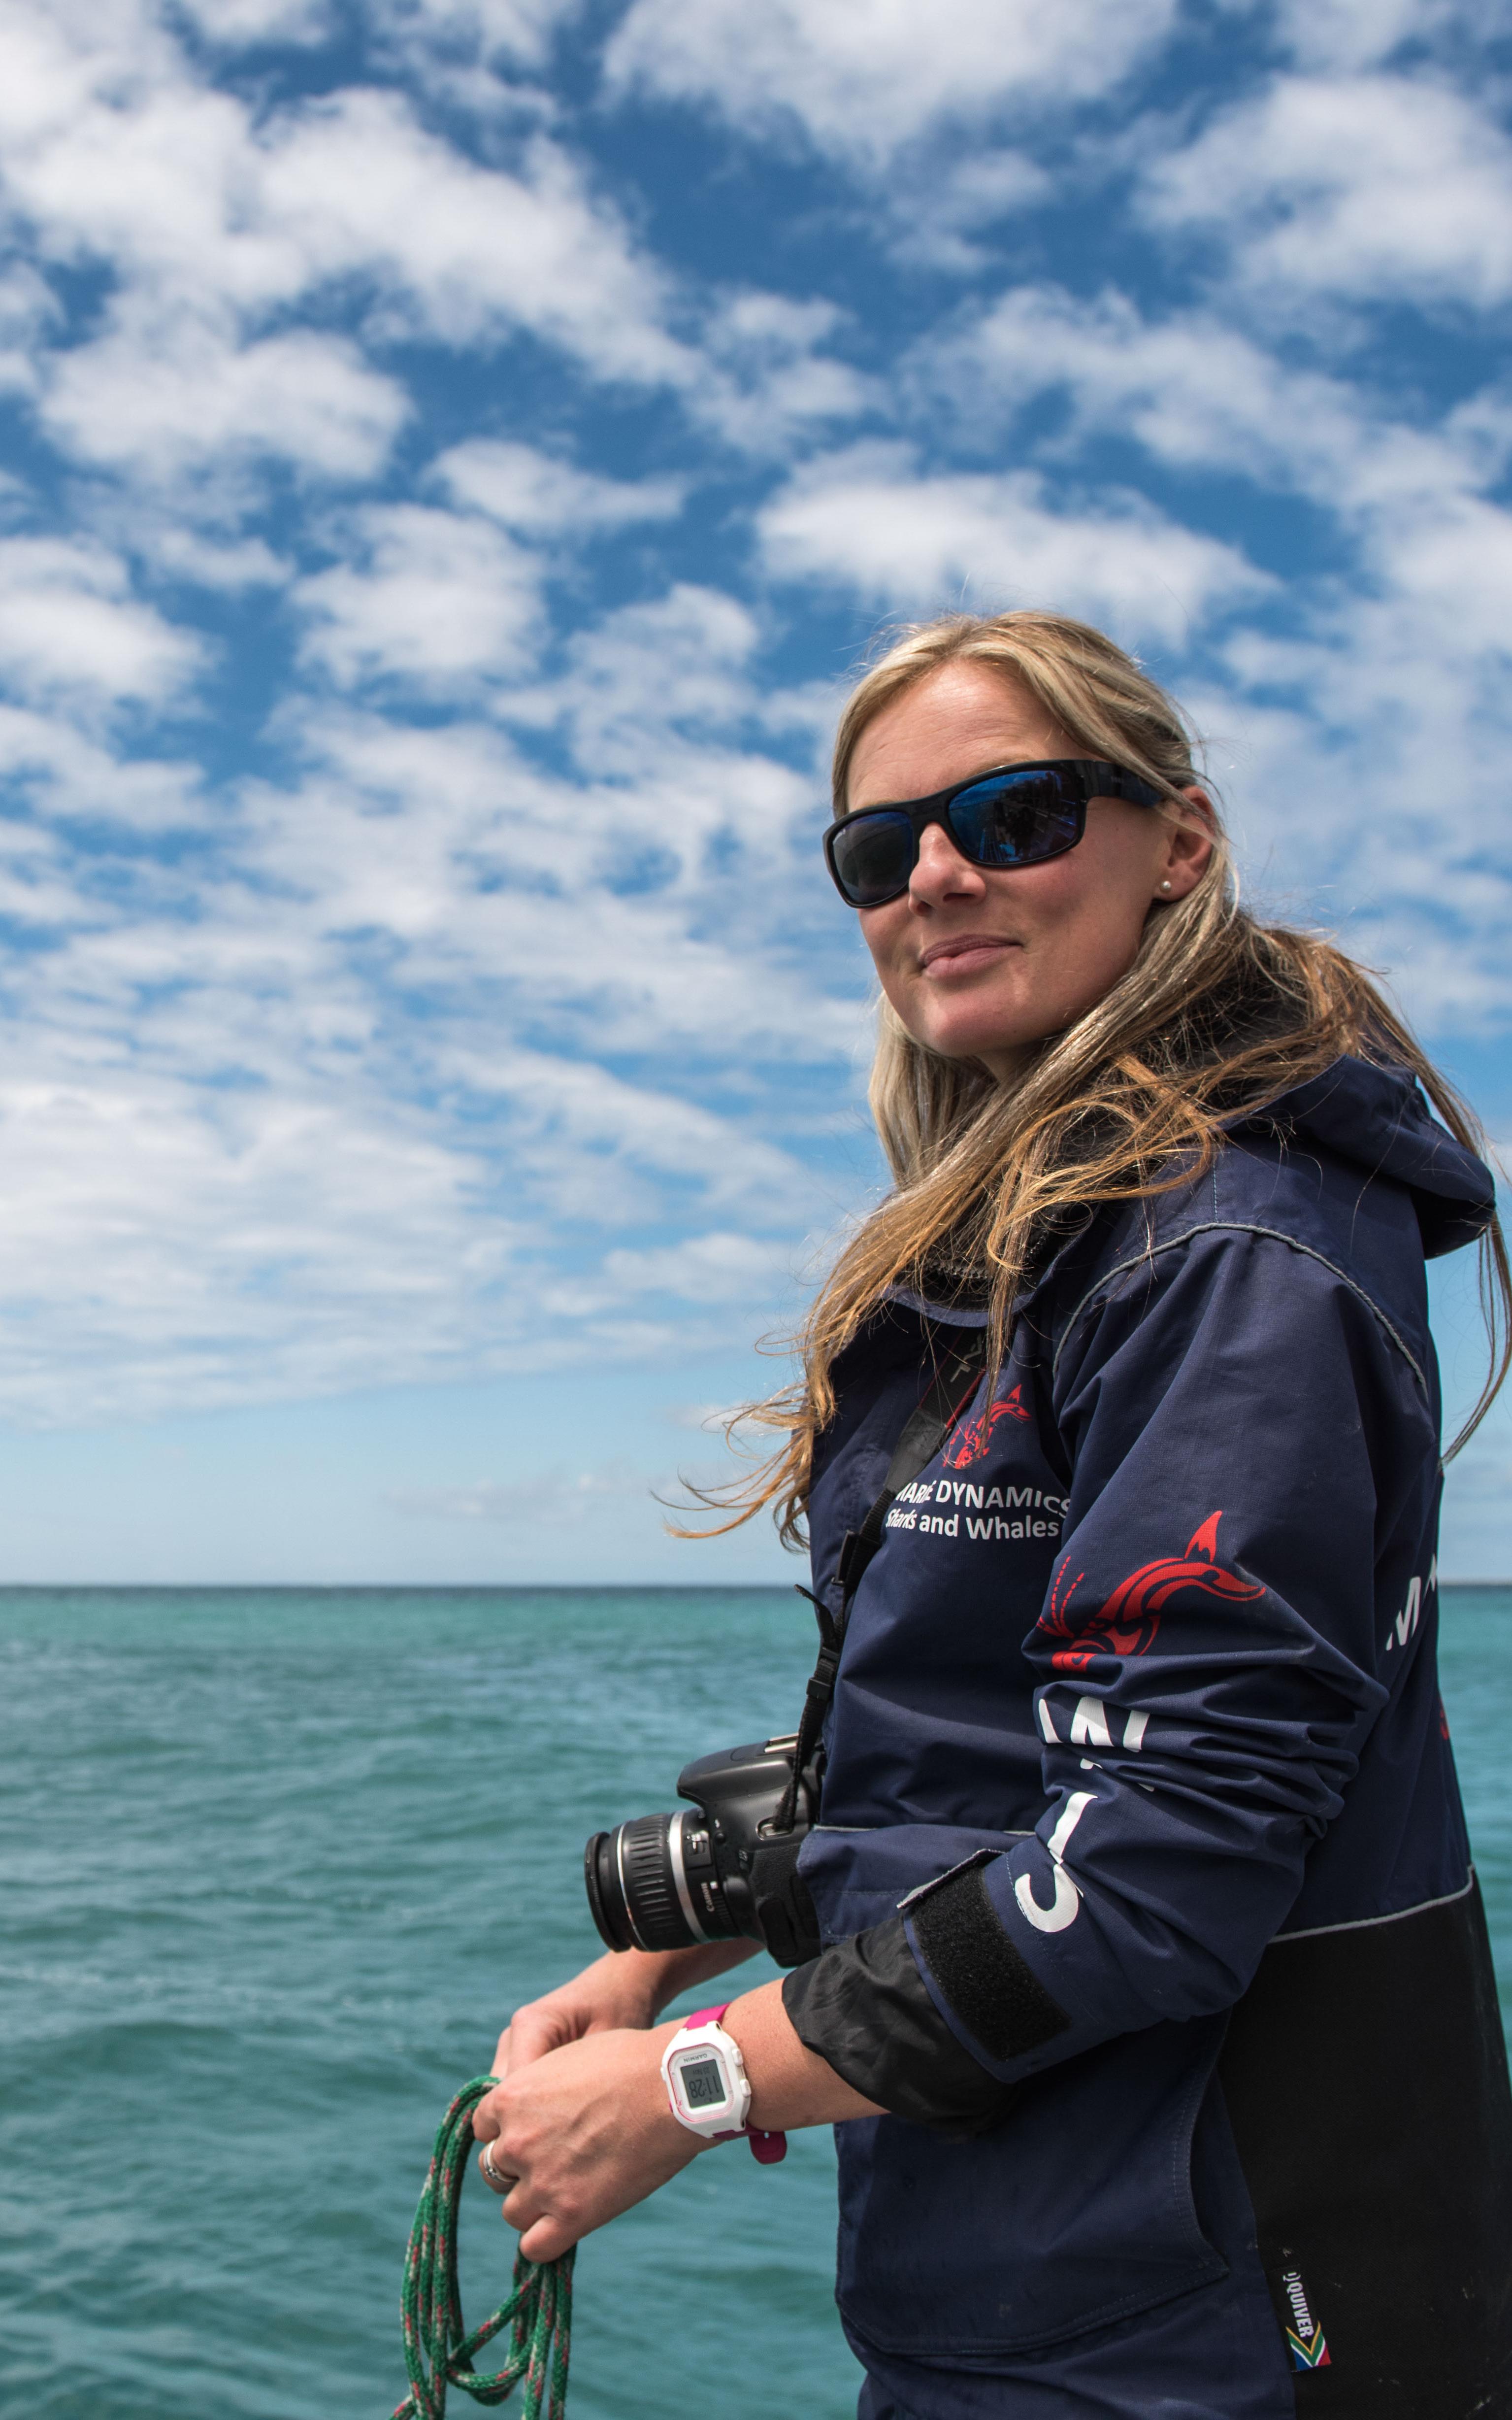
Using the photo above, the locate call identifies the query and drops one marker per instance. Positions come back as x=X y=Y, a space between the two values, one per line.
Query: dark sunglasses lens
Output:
x=873 y=856
x=1017 y=818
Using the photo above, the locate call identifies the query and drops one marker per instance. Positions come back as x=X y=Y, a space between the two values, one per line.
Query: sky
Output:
x=457 y=455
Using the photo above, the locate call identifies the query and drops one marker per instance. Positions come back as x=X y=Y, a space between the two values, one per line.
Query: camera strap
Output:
x=950 y=1389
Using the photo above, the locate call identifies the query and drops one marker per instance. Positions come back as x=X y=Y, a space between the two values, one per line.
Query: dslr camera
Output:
x=718 y=1870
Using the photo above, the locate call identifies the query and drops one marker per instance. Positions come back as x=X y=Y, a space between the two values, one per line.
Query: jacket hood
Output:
x=1377 y=1117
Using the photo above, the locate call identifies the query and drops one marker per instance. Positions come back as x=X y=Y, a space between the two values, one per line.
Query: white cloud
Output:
x=765 y=381
x=1379 y=187
x=515 y=29
x=295 y=1181
x=617 y=1135
x=1199 y=393
x=170 y=394
x=61 y=773
x=240 y=22
x=215 y=222
x=211 y=220
x=864 y=77
x=204 y=558
x=539 y=495
x=678 y=663
x=495 y=873
x=1361 y=33
x=70 y=625
x=29 y=311
x=433 y=601
x=147 y=1289
x=1353 y=747
x=868 y=521
x=728 y=1267
x=354 y=186
x=117 y=152
x=938 y=214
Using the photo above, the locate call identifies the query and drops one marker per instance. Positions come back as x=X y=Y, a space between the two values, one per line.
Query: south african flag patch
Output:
x=1308 y=2352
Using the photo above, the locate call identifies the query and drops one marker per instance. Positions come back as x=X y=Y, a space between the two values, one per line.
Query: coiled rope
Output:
x=437 y=2350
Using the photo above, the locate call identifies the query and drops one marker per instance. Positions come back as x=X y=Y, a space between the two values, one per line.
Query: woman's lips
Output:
x=965 y=955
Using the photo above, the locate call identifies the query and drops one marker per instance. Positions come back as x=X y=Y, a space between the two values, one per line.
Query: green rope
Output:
x=438 y=2352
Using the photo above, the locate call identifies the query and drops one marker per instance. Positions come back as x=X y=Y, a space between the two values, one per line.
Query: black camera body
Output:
x=719 y=1870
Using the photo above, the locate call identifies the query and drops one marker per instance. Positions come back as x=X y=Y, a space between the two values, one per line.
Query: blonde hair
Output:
x=1217 y=1013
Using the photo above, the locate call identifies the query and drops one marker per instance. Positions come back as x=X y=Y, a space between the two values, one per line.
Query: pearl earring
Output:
x=1166 y=886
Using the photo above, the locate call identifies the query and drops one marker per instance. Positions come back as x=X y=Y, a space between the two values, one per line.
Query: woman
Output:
x=1156 y=2006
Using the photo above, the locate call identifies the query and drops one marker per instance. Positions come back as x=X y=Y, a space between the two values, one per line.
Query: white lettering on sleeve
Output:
x=1090 y=1724
x=1068 y=1899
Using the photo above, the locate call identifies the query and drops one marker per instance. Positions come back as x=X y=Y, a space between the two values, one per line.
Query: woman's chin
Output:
x=992 y=1039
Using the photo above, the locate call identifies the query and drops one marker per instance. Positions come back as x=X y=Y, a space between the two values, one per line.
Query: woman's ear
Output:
x=1187 y=852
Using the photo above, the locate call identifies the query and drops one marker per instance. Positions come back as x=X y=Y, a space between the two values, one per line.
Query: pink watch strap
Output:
x=766 y=2147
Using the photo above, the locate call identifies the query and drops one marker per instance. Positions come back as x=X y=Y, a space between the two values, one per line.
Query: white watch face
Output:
x=700 y=2081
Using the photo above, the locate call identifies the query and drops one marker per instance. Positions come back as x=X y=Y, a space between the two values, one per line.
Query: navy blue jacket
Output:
x=1141 y=1851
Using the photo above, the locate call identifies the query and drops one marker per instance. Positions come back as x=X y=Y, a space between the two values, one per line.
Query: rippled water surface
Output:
x=275 y=1867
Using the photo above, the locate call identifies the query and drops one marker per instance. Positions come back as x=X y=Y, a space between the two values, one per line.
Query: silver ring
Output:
x=495 y=2176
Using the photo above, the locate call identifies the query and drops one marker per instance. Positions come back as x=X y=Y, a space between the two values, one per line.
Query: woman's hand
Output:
x=584 y=2131
x=625 y=1990
x=614 y=1994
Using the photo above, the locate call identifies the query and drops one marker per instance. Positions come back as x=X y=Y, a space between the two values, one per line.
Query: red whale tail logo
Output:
x=969 y=1442
x=1126 y=1622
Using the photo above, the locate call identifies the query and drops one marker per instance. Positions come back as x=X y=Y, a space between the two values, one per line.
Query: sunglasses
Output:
x=1021 y=814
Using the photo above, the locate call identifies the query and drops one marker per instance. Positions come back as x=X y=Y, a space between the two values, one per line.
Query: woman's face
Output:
x=979 y=965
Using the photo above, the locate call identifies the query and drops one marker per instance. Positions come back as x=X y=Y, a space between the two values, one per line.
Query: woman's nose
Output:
x=942 y=873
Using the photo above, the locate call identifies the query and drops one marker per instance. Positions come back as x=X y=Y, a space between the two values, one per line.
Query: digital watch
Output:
x=707 y=2086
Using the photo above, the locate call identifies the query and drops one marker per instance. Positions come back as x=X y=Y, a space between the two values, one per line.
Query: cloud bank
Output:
x=457 y=453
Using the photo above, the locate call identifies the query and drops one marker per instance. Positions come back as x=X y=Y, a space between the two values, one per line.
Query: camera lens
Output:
x=640 y=1888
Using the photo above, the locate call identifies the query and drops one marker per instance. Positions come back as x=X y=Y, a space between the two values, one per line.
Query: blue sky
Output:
x=456 y=456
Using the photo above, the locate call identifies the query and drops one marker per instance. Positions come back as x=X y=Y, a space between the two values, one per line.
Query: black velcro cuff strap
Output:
x=997 y=1996
x=865 y=2007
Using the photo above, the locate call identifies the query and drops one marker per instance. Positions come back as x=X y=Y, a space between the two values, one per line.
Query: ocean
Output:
x=277 y=1865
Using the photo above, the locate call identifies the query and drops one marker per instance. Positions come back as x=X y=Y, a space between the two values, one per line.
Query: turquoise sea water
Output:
x=276 y=1865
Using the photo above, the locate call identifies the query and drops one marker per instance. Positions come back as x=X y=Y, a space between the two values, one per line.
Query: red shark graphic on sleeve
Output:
x=969 y=1442
x=1126 y=1622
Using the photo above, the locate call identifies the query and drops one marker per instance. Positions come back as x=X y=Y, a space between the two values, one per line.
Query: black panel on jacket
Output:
x=865 y=2008
x=997 y=1997
x=1365 y=2076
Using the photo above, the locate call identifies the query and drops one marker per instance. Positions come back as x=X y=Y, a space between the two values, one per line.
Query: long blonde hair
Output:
x=1217 y=1013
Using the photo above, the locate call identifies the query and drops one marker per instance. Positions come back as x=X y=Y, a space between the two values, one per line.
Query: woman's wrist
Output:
x=791 y=2086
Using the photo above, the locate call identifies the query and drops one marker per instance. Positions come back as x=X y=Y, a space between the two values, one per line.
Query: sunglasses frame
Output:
x=1094 y=779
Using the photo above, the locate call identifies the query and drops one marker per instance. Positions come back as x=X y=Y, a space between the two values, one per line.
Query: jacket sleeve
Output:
x=1239 y=1417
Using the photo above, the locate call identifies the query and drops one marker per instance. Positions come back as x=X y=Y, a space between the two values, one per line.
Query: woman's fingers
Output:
x=617 y=1991
x=488 y=2116
x=543 y=2026
x=529 y=2035
x=546 y=2240
x=495 y=2176
x=543 y=2234
x=540 y=2027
